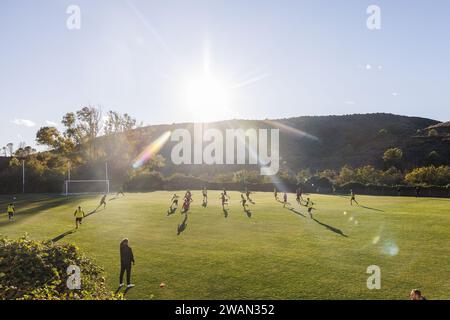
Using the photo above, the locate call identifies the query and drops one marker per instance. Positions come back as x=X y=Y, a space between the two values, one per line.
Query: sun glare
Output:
x=207 y=98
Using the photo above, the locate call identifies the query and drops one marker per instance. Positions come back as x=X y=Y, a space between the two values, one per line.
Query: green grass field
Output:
x=276 y=254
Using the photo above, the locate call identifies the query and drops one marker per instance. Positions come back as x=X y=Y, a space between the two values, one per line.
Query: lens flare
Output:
x=151 y=150
x=390 y=248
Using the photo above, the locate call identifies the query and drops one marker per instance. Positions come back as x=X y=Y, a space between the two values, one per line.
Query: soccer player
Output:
x=275 y=193
x=417 y=191
x=310 y=209
x=102 y=202
x=205 y=196
x=299 y=195
x=224 y=200
x=247 y=194
x=126 y=259
x=353 y=198
x=120 y=192
x=244 y=202
x=188 y=195
x=79 y=215
x=174 y=201
x=285 y=197
x=308 y=202
x=187 y=203
x=226 y=194
x=11 y=210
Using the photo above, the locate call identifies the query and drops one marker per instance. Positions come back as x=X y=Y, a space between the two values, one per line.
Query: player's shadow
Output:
x=125 y=292
x=374 y=209
x=205 y=204
x=172 y=211
x=225 y=213
x=95 y=211
x=39 y=206
x=63 y=235
x=182 y=227
x=333 y=229
x=296 y=212
x=248 y=213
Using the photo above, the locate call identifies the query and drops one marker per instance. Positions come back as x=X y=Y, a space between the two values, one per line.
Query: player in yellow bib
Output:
x=11 y=211
x=79 y=215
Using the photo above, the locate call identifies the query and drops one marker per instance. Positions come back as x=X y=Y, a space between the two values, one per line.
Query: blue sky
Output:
x=275 y=59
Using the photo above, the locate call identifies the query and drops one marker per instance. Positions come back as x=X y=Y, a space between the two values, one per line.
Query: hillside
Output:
x=350 y=139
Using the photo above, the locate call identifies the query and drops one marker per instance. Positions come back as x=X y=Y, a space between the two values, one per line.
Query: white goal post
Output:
x=86 y=187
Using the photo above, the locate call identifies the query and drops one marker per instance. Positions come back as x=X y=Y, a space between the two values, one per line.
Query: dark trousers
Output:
x=127 y=268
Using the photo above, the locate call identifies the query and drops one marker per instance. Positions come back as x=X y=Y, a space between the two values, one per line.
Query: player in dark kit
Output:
x=244 y=202
x=102 y=202
x=353 y=198
x=247 y=195
x=299 y=195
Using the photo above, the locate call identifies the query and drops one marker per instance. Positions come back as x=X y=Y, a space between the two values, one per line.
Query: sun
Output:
x=207 y=98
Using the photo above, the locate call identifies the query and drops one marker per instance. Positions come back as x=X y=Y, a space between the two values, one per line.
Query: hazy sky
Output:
x=266 y=59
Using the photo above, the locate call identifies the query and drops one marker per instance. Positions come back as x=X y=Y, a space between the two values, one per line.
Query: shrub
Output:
x=38 y=270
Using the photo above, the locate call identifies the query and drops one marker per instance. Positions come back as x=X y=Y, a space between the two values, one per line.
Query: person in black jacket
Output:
x=126 y=258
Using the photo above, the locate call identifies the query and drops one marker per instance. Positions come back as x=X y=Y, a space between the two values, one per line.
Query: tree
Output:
x=433 y=133
x=439 y=176
x=89 y=126
x=49 y=136
x=393 y=157
x=117 y=123
x=433 y=158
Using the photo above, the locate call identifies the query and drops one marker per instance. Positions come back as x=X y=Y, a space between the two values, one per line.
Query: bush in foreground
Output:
x=38 y=270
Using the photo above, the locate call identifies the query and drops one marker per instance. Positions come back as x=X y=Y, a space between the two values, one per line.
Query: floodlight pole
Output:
x=23 y=175
x=68 y=170
x=106 y=177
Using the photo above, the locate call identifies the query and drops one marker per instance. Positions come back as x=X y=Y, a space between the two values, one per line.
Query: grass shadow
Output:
x=297 y=212
x=333 y=229
x=95 y=211
x=172 y=211
x=63 y=235
x=43 y=204
x=374 y=209
x=182 y=227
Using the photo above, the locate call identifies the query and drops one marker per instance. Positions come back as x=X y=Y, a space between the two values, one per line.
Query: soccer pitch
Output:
x=277 y=253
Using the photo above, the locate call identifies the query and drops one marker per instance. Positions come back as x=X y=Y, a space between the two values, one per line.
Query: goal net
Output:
x=74 y=187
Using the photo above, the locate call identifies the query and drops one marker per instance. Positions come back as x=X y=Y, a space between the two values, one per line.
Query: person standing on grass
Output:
x=224 y=200
x=126 y=259
x=11 y=210
x=103 y=202
x=285 y=199
x=79 y=215
x=353 y=198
